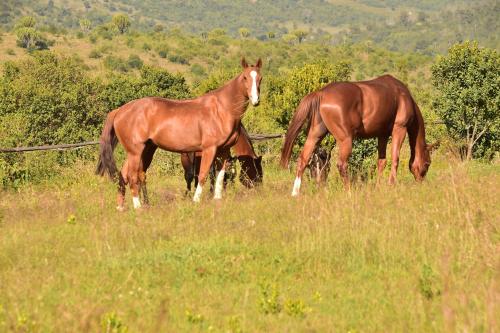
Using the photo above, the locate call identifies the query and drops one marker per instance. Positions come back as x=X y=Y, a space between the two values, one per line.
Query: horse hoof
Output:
x=120 y=208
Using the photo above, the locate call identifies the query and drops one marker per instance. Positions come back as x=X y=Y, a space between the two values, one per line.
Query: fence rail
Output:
x=255 y=137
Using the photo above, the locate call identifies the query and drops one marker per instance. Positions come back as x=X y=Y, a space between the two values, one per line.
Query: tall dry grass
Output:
x=412 y=257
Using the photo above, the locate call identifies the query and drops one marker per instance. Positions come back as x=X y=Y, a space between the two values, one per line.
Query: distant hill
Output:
x=428 y=26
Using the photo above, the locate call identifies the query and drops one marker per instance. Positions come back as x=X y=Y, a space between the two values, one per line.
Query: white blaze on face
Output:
x=254 y=95
x=197 y=193
x=219 y=184
x=137 y=202
x=296 y=187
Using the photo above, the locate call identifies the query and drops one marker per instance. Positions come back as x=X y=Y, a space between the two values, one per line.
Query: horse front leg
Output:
x=382 y=161
x=345 y=150
x=398 y=136
x=220 y=166
x=207 y=158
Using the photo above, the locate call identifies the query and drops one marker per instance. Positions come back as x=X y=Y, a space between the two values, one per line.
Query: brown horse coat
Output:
x=379 y=108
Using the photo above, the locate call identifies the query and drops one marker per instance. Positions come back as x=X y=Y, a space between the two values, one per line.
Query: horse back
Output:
x=368 y=108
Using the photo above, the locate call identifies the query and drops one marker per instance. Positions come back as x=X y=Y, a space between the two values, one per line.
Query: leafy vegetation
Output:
x=469 y=103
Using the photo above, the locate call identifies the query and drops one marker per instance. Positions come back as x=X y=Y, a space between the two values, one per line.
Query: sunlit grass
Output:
x=413 y=257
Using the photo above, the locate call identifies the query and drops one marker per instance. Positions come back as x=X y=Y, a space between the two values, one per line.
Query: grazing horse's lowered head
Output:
x=420 y=166
x=251 y=170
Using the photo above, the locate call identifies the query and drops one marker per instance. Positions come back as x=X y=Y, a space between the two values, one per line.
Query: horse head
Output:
x=251 y=170
x=420 y=167
x=250 y=79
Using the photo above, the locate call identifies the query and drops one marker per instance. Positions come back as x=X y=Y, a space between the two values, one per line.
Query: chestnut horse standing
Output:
x=209 y=124
x=251 y=165
x=379 y=108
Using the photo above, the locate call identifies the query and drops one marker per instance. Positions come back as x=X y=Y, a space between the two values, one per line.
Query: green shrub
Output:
x=113 y=63
x=46 y=100
x=134 y=61
x=177 y=58
x=468 y=81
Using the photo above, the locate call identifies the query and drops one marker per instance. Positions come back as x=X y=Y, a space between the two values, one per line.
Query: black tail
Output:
x=108 y=143
x=306 y=108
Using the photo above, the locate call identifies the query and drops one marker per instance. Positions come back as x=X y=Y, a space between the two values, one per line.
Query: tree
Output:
x=85 y=25
x=121 y=22
x=244 y=33
x=301 y=35
x=25 y=22
x=28 y=38
x=468 y=81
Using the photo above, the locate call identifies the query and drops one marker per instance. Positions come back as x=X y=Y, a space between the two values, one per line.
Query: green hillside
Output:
x=425 y=26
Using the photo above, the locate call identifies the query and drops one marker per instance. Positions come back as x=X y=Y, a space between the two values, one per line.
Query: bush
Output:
x=46 y=100
x=176 y=58
x=468 y=81
x=152 y=82
x=49 y=100
x=113 y=63
x=134 y=61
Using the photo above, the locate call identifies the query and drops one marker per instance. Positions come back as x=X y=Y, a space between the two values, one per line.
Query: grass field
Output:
x=408 y=258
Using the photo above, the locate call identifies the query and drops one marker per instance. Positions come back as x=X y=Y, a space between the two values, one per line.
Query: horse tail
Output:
x=107 y=145
x=309 y=105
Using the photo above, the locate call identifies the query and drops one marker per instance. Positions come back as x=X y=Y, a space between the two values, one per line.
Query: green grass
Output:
x=408 y=258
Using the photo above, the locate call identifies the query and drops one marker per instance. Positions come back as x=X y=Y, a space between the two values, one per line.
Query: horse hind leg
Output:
x=147 y=157
x=134 y=168
x=122 y=182
x=315 y=135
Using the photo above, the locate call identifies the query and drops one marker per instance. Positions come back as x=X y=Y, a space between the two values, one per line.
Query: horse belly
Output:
x=177 y=138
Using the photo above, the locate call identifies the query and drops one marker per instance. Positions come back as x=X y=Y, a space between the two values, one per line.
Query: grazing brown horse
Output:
x=251 y=165
x=379 y=108
x=209 y=124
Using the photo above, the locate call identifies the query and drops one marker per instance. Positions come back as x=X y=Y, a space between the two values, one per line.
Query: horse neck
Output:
x=233 y=99
x=243 y=146
x=416 y=133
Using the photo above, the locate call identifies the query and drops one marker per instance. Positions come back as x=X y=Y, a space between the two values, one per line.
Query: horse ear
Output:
x=259 y=63
x=244 y=63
